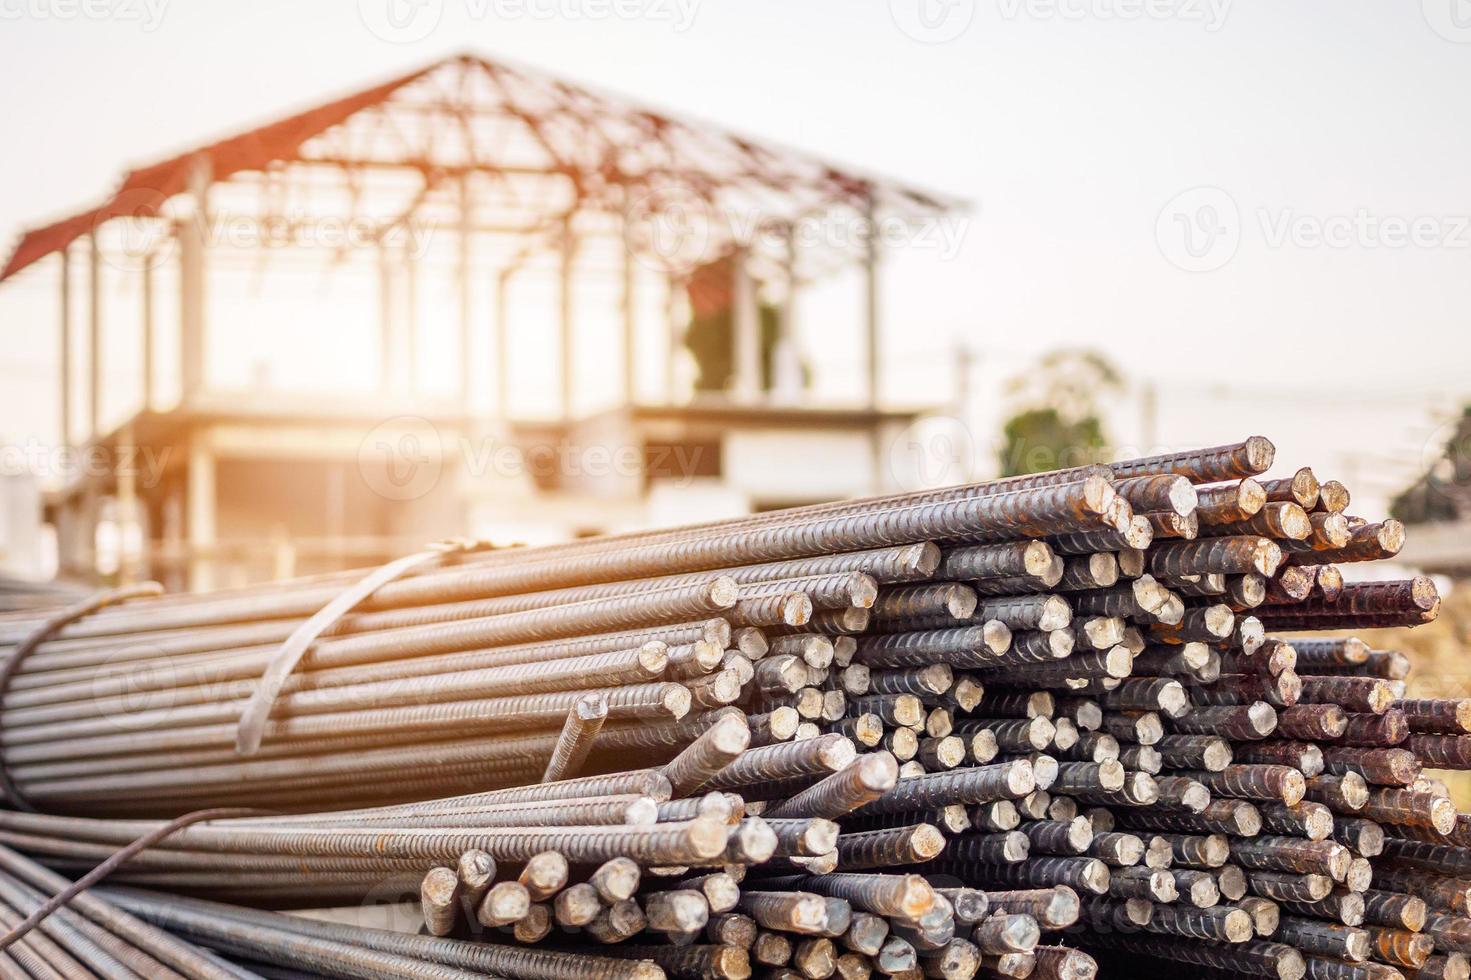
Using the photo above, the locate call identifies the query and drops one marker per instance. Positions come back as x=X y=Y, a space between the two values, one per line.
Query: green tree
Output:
x=1055 y=422
x=1443 y=491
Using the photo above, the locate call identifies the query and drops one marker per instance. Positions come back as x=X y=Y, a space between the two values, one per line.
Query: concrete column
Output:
x=386 y=352
x=566 y=313
x=200 y=504
x=466 y=296
x=503 y=346
x=411 y=322
x=675 y=327
x=146 y=288
x=66 y=347
x=94 y=339
x=128 y=526
x=745 y=382
x=630 y=323
x=871 y=308
x=786 y=366
x=193 y=326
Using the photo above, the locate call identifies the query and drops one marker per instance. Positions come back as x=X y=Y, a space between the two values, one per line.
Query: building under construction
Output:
x=327 y=321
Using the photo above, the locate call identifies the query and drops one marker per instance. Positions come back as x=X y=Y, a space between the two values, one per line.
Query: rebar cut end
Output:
x=706 y=837
x=1391 y=536
x=1443 y=816
x=1138 y=532
x=1266 y=557
x=1259 y=454
x=921 y=559
x=653 y=657
x=961 y=601
x=591 y=707
x=1037 y=558
x=1183 y=498
x=863 y=590
x=1021 y=777
x=1056 y=614
x=876 y=771
x=677 y=700
x=641 y=812
x=796 y=609
x=1098 y=494
x=996 y=635
x=1173 y=700
x=722 y=591
x=1118 y=662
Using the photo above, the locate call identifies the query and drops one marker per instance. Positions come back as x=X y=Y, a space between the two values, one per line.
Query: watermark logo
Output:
x=933 y=21
x=134 y=686
x=408 y=21
x=1451 y=19
x=392 y=904
x=402 y=458
x=53 y=462
x=1446 y=457
x=147 y=14
x=936 y=451
x=668 y=228
x=401 y=21
x=1363 y=229
x=1199 y=230
x=1211 y=14
x=135 y=233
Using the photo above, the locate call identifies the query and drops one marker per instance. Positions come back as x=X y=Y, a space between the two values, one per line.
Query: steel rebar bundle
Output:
x=1026 y=728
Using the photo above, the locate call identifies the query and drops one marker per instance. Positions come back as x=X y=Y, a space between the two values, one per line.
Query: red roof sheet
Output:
x=143 y=192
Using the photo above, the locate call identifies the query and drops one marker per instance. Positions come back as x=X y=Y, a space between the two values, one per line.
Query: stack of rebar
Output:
x=1015 y=729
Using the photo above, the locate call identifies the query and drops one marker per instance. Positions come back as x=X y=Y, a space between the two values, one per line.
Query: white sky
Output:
x=1070 y=124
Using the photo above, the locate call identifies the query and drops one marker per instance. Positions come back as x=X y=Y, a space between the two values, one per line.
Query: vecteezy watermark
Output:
x=1363 y=229
x=145 y=464
x=1200 y=230
x=147 y=14
x=407 y=21
x=138 y=232
x=939 y=21
x=1211 y=14
x=1446 y=459
x=935 y=451
x=674 y=230
x=404 y=458
x=1451 y=19
x=933 y=21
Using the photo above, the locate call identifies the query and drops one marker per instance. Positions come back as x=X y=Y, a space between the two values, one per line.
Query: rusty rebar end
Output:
x=1260 y=453
x=722 y=592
